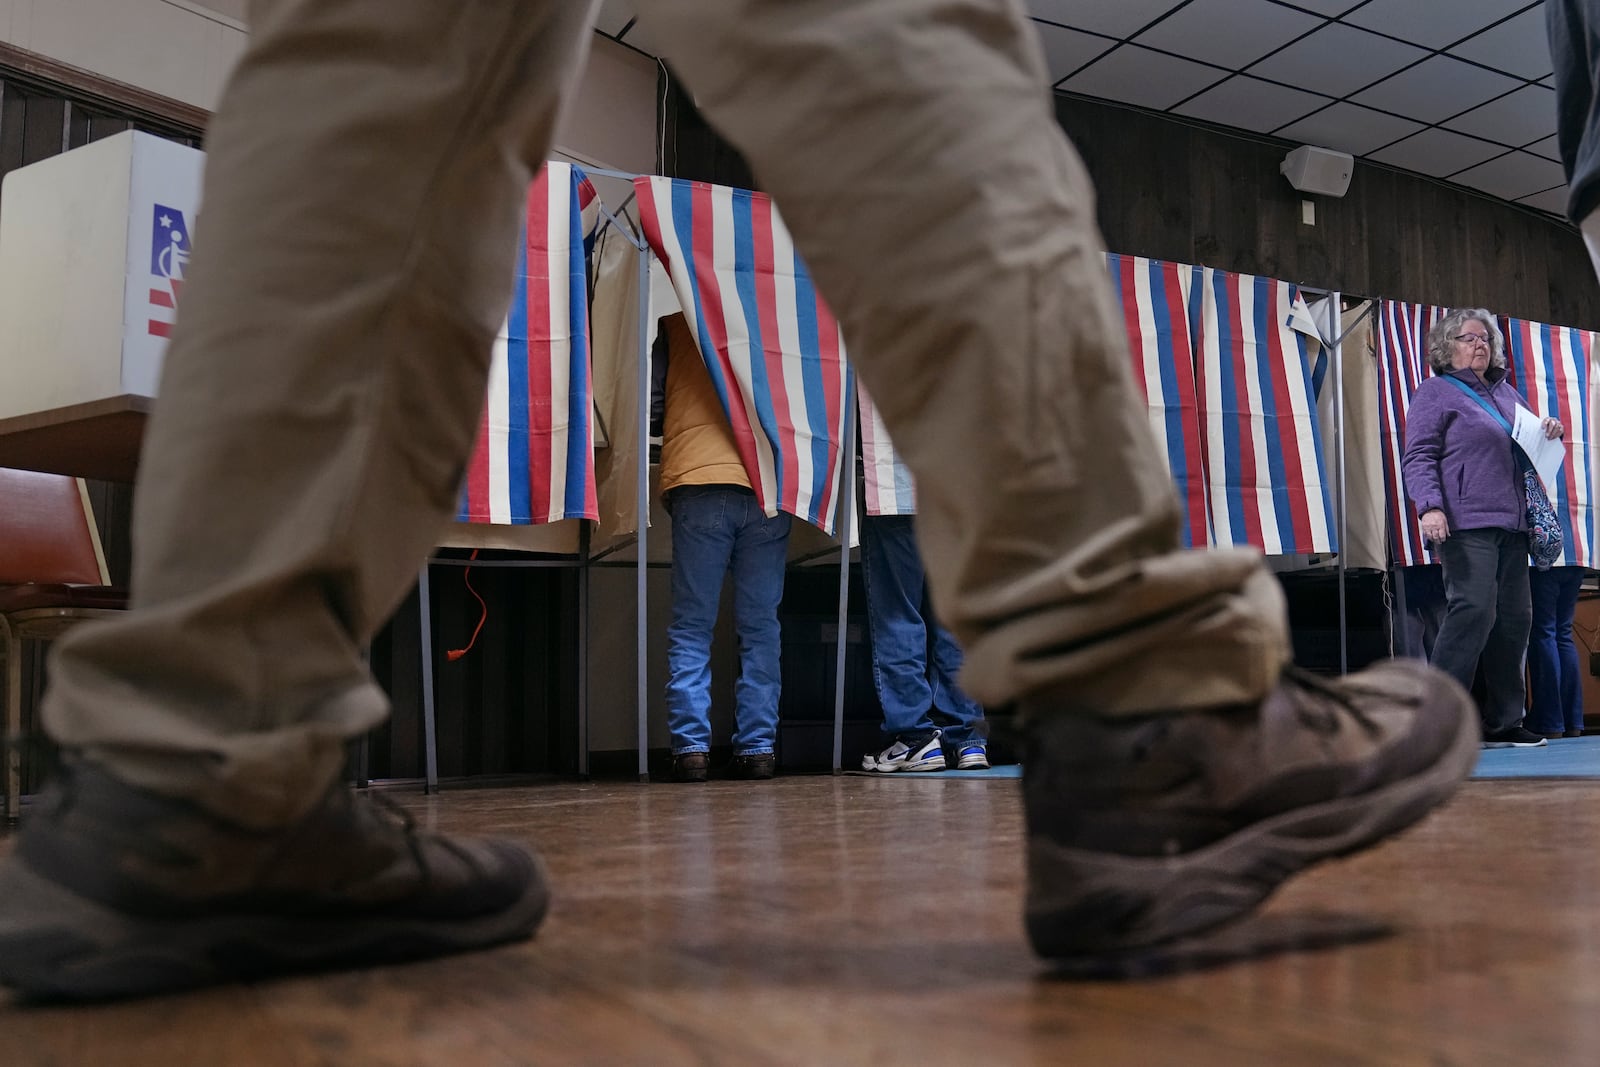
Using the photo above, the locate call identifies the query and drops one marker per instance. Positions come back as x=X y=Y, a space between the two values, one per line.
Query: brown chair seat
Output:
x=27 y=597
x=52 y=576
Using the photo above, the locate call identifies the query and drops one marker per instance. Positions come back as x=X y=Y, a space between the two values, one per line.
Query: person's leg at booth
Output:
x=760 y=557
x=703 y=538
x=1177 y=769
x=1546 y=713
x=1570 y=586
x=967 y=745
x=365 y=176
x=1505 y=650
x=892 y=575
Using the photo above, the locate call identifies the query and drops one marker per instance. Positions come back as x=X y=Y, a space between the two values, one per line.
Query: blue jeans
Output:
x=716 y=528
x=914 y=660
x=1557 y=685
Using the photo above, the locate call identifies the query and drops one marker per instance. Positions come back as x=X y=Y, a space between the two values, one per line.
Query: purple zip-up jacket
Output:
x=1460 y=459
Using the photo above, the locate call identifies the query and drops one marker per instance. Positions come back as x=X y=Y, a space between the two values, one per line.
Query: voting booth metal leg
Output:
x=430 y=737
x=847 y=510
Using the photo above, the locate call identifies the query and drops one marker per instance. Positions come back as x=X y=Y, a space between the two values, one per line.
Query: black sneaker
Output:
x=1145 y=830
x=114 y=892
x=1514 y=737
x=690 y=767
x=753 y=766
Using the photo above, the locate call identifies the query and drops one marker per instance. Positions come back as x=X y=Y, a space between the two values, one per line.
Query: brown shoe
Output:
x=757 y=766
x=1147 y=829
x=113 y=891
x=690 y=767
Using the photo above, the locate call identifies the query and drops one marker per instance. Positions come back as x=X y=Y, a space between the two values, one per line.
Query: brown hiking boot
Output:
x=753 y=766
x=113 y=891
x=1143 y=830
x=691 y=767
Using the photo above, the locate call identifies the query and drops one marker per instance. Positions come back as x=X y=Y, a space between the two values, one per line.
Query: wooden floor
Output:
x=820 y=920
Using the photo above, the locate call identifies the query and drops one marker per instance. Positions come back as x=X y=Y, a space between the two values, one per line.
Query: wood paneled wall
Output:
x=1196 y=194
x=1193 y=194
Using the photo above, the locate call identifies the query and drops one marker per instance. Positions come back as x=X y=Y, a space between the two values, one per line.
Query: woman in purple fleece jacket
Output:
x=1461 y=472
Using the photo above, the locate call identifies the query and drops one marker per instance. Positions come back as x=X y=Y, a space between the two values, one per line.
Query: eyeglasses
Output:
x=1470 y=339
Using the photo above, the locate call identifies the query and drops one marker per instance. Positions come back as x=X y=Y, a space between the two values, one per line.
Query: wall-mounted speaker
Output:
x=1318 y=170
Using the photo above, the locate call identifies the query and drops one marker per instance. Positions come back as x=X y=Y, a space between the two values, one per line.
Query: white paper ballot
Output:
x=1547 y=455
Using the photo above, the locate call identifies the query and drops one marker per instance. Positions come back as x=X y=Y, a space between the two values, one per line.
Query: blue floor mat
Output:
x=1567 y=757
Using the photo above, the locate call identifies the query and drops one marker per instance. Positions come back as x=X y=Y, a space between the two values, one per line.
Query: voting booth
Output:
x=93 y=245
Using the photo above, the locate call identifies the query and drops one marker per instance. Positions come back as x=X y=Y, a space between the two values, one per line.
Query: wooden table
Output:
x=98 y=440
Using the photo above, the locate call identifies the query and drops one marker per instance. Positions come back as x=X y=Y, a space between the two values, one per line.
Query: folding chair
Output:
x=52 y=576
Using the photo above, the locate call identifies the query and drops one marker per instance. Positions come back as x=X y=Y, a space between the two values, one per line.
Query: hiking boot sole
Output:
x=1085 y=904
x=72 y=948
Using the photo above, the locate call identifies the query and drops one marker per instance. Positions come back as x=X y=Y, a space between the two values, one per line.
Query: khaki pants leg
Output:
x=913 y=151
x=358 y=233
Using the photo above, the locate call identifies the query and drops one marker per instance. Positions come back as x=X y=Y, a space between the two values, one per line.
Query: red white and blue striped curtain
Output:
x=1402 y=343
x=1155 y=297
x=773 y=349
x=1551 y=366
x=888 y=488
x=534 y=458
x=1262 y=449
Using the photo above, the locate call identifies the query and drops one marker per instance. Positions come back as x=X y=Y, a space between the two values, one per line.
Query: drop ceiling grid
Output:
x=1460 y=84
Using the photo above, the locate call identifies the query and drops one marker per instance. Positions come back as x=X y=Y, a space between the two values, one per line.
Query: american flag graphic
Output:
x=1402 y=364
x=888 y=487
x=773 y=349
x=169 y=254
x=1551 y=365
x=1155 y=297
x=1262 y=445
x=534 y=457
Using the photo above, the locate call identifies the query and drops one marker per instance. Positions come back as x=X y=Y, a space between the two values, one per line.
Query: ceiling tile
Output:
x=1229 y=33
x=1420 y=21
x=1551 y=200
x=1349 y=128
x=1517 y=174
x=1517 y=46
x=1134 y=75
x=1435 y=89
x=1119 y=18
x=1251 y=104
x=1549 y=148
x=1338 y=60
x=1067 y=50
x=1527 y=115
x=614 y=15
x=1326 y=7
x=1437 y=152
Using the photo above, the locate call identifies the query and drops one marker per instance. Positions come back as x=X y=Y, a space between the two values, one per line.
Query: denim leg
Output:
x=760 y=553
x=702 y=543
x=1569 y=584
x=896 y=592
x=1505 y=652
x=1471 y=561
x=948 y=698
x=1545 y=706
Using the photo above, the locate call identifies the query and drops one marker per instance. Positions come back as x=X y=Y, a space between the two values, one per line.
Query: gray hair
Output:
x=1440 y=339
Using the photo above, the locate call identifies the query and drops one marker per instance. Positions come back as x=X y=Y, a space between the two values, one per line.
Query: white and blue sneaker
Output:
x=973 y=756
x=928 y=756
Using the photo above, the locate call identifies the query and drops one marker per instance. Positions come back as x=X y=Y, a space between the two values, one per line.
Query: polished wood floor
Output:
x=818 y=920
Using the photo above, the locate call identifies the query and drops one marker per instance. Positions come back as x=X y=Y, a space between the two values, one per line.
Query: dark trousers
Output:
x=1487 y=618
